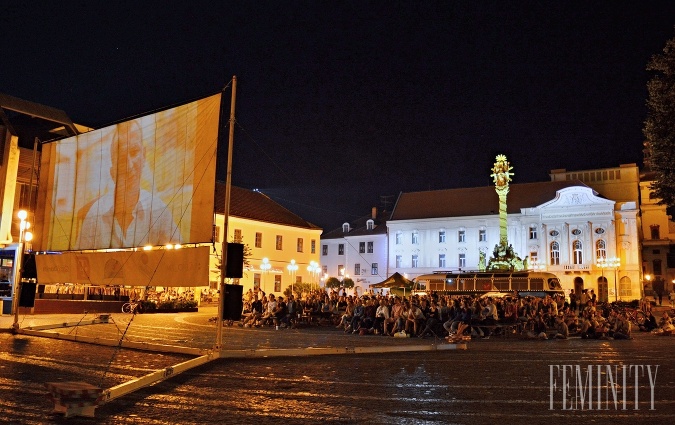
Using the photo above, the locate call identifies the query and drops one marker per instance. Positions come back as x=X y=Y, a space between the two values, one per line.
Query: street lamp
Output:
x=614 y=263
x=24 y=236
x=265 y=267
x=314 y=269
x=292 y=268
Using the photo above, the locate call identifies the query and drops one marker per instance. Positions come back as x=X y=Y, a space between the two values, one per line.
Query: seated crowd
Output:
x=442 y=315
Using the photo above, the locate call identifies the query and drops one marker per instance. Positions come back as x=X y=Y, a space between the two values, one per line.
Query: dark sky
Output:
x=342 y=102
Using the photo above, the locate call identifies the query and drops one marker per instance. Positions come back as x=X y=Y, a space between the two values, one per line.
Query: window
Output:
x=277 y=283
x=399 y=261
x=441 y=260
x=324 y=270
x=482 y=235
x=370 y=247
x=554 y=233
x=415 y=238
x=301 y=243
x=341 y=270
x=362 y=247
x=370 y=225
x=279 y=242
x=216 y=234
x=313 y=246
x=373 y=269
x=237 y=235
x=256 y=280
x=600 y=249
x=341 y=249
x=656 y=234
x=534 y=257
x=577 y=257
x=324 y=249
x=258 y=240
x=599 y=231
x=656 y=264
x=414 y=261
x=462 y=260
x=625 y=288
x=461 y=236
x=441 y=236
x=533 y=232
x=357 y=269
x=555 y=254
x=399 y=236
x=576 y=232
x=345 y=228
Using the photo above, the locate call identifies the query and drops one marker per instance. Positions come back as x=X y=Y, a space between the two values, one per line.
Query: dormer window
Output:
x=345 y=228
x=370 y=225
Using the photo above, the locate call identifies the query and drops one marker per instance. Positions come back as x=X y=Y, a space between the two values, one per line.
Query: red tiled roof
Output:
x=474 y=201
x=254 y=205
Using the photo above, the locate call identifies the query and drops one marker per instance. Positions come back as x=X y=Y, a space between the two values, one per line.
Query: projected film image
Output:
x=146 y=181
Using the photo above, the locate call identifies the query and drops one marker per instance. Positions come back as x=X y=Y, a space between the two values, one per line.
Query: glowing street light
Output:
x=314 y=269
x=24 y=236
x=265 y=267
x=292 y=269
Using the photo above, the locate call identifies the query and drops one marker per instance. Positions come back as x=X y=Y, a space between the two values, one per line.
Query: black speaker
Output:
x=234 y=267
x=27 y=297
x=232 y=302
x=29 y=267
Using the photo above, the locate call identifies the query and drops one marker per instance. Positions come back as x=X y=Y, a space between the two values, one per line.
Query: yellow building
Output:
x=268 y=231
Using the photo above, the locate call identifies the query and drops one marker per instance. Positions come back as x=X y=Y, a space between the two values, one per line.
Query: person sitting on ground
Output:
x=347 y=315
x=433 y=316
x=538 y=330
x=369 y=312
x=359 y=310
x=268 y=314
x=415 y=320
x=280 y=312
x=649 y=324
x=381 y=315
x=256 y=312
x=394 y=316
x=665 y=325
x=561 y=329
x=622 y=327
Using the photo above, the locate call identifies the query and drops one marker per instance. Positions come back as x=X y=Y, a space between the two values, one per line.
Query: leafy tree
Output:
x=333 y=283
x=348 y=282
x=659 y=129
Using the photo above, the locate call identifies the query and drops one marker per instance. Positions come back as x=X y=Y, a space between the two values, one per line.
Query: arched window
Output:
x=555 y=254
x=600 y=249
x=577 y=257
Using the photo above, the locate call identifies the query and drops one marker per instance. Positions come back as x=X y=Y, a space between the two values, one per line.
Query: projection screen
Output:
x=145 y=181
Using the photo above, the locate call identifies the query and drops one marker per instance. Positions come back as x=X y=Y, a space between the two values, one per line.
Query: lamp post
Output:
x=265 y=267
x=24 y=236
x=314 y=270
x=292 y=268
x=614 y=263
x=602 y=263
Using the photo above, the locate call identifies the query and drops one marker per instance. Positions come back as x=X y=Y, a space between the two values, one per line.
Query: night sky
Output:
x=342 y=102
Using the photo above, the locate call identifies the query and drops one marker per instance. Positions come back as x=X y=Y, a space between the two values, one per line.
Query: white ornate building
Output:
x=563 y=226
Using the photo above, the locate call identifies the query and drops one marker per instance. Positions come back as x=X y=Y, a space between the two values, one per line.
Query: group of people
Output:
x=445 y=316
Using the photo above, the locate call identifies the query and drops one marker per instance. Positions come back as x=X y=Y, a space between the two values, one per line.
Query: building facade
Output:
x=269 y=232
x=357 y=250
x=563 y=226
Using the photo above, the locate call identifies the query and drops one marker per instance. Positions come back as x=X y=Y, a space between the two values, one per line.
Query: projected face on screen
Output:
x=146 y=181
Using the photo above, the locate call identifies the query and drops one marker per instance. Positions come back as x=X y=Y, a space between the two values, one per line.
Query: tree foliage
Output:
x=659 y=129
x=333 y=283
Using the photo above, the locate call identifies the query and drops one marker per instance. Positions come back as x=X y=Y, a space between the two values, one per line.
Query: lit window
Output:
x=555 y=254
x=301 y=243
x=279 y=242
x=577 y=252
x=600 y=249
x=258 y=240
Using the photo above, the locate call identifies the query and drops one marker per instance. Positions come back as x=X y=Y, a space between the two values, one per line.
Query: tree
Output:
x=333 y=283
x=659 y=129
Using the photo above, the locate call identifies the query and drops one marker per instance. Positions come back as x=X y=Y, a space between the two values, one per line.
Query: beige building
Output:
x=268 y=231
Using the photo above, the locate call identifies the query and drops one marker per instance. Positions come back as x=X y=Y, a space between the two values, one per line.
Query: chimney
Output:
x=373 y=214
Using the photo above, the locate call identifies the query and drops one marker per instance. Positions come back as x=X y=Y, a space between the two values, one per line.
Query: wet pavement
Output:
x=493 y=381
